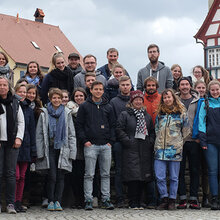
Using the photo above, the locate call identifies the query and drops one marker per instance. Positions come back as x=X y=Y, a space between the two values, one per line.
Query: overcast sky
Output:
x=93 y=26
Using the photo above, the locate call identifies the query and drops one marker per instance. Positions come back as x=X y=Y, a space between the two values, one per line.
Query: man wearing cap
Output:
x=74 y=63
x=156 y=69
x=90 y=63
x=191 y=149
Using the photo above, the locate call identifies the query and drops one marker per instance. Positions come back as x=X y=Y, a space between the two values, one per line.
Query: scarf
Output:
x=57 y=125
x=9 y=116
x=33 y=81
x=141 y=128
x=4 y=69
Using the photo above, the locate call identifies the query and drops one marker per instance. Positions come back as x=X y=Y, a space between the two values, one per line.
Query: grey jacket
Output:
x=67 y=151
x=79 y=79
x=192 y=111
x=165 y=78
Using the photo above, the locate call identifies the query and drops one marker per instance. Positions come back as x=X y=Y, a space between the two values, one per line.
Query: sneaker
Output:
x=95 y=202
x=194 y=204
x=88 y=205
x=107 y=205
x=18 y=207
x=24 y=207
x=50 y=206
x=10 y=209
x=182 y=204
x=205 y=202
x=57 y=206
x=44 y=203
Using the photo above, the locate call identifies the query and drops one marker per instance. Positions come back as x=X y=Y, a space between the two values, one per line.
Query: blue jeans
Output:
x=212 y=155
x=8 y=161
x=103 y=153
x=191 y=149
x=117 y=155
x=160 y=168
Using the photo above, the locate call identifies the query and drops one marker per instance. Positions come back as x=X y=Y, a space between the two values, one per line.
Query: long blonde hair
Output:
x=176 y=107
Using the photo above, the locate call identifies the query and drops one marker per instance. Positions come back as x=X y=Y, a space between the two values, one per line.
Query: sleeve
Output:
x=139 y=81
x=21 y=124
x=80 y=123
x=40 y=138
x=169 y=80
x=71 y=138
x=32 y=134
x=120 y=129
x=76 y=81
x=112 y=122
x=157 y=124
x=45 y=89
x=185 y=126
x=151 y=132
x=202 y=125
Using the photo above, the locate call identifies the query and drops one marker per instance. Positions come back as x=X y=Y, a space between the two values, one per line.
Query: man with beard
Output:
x=191 y=148
x=151 y=96
x=74 y=63
x=155 y=69
x=90 y=63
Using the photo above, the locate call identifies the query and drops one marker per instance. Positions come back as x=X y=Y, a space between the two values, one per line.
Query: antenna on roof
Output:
x=17 y=18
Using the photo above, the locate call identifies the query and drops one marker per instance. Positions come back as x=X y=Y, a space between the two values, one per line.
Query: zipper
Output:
x=165 y=136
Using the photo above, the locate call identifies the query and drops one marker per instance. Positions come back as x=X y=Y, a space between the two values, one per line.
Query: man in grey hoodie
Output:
x=156 y=69
x=90 y=63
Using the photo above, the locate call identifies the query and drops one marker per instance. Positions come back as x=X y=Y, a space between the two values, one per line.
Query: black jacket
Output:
x=95 y=123
x=137 y=154
x=119 y=104
x=57 y=79
x=27 y=151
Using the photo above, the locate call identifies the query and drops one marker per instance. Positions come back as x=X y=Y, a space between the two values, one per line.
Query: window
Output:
x=35 y=45
x=213 y=57
x=58 y=49
x=21 y=74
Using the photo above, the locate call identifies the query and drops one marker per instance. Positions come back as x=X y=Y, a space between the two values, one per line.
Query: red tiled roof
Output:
x=15 y=39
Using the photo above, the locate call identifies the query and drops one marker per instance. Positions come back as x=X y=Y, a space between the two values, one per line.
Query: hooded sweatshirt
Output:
x=162 y=74
x=79 y=79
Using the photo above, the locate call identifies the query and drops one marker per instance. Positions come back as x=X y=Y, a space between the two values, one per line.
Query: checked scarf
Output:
x=141 y=128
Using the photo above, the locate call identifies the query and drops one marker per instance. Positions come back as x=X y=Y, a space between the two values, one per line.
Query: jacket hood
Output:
x=194 y=93
x=104 y=100
x=159 y=67
x=123 y=97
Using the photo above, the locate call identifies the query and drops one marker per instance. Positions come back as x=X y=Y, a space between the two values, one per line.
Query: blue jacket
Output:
x=209 y=130
x=28 y=147
x=195 y=132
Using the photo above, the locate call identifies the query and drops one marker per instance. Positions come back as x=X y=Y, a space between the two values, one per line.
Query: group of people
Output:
x=74 y=121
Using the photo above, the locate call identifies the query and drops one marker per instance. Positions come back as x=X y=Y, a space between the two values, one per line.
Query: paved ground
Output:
x=118 y=214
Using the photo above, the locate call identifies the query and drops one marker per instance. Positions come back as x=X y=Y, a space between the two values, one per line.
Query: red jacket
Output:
x=151 y=102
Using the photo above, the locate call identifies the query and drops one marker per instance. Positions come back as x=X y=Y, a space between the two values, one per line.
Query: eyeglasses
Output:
x=89 y=63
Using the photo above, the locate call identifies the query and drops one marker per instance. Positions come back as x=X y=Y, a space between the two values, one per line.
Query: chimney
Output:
x=210 y=3
x=39 y=15
x=17 y=18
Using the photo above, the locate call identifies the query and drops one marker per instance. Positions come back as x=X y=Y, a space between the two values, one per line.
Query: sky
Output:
x=93 y=26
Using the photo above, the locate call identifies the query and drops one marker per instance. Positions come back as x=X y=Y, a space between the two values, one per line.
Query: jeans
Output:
x=8 y=161
x=21 y=168
x=191 y=150
x=55 y=182
x=117 y=155
x=212 y=155
x=160 y=168
x=103 y=153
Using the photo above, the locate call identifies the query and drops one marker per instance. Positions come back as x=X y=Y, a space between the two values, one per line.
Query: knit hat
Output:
x=135 y=94
x=188 y=78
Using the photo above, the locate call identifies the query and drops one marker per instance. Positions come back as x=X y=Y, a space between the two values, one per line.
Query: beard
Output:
x=150 y=91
